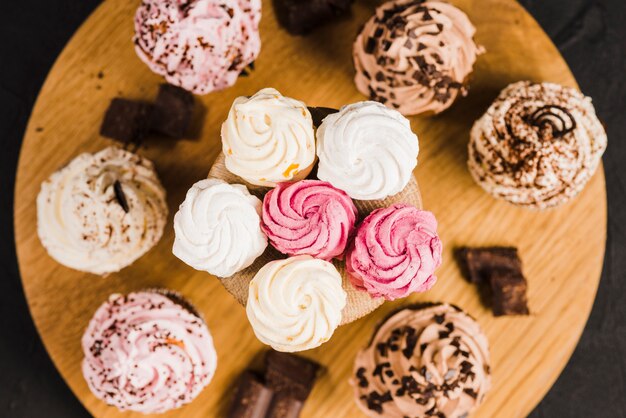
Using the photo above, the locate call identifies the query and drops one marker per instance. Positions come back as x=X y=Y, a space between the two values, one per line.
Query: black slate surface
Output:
x=591 y=34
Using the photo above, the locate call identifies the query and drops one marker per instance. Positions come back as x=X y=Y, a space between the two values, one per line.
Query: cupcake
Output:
x=295 y=304
x=268 y=139
x=308 y=217
x=217 y=228
x=199 y=45
x=423 y=361
x=367 y=150
x=395 y=253
x=537 y=145
x=102 y=211
x=415 y=55
x=147 y=352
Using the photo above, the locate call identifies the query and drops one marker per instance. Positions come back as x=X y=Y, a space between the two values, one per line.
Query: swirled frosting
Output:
x=308 y=217
x=415 y=55
x=218 y=229
x=367 y=150
x=295 y=304
x=431 y=361
x=199 y=45
x=395 y=252
x=537 y=145
x=102 y=211
x=145 y=352
x=268 y=138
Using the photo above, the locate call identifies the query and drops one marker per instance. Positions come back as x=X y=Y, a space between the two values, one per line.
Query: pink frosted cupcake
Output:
x=308 y=217
x=395 y=253
x=199 y=45
x=148 y=352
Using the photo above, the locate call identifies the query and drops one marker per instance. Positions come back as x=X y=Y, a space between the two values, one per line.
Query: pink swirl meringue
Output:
x=199 y=45
x=308 y=217
x=147 y=352
x=395 y=252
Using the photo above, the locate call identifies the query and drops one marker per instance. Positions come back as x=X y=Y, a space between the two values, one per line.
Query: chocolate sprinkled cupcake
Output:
x=424 y=360
x=148 y=352
x=415 y=55
x=537 y=145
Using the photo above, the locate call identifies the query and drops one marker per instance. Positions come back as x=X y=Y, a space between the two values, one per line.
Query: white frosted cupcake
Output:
x=218 y=228
x=102 y=211
x=295 y=304
x=268 y=139
x=367 y=150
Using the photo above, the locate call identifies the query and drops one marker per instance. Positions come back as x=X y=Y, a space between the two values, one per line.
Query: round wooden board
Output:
x=562 y=249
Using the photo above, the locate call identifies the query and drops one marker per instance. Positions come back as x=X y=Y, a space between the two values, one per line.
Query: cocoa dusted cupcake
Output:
x=147 y=352
x=415 y=55
x=537 y=145
x=426 y=360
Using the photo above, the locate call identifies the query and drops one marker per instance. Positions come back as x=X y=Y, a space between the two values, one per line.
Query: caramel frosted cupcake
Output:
x=537 y=145
x=102 y=211
x=429 y=360
x=148 y=352
x=415 y=55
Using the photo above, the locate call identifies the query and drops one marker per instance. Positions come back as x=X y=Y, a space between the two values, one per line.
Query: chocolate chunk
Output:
x=360 y=375
x=290 y=375
x=284 y=407
x=252 y=398
x=120 y=196
x=301 y=17
x=509 y=292
x=319 y=113
x=127 y=121
x=370 y=46
x=477 y=263
x=173 y=111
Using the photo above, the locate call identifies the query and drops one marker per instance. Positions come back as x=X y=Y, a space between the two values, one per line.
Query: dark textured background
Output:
x=591 y=34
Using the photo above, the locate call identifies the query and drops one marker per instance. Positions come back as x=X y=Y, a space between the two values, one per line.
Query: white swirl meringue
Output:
x=367 y=150
x=218 y=228
x=295 y=304
x=268 y=139
x=86 y=224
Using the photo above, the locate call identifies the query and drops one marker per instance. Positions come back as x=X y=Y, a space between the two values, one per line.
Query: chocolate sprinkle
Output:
x=120 y=196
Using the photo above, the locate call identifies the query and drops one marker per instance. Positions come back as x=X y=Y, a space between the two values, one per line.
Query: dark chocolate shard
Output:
x=252 y=398
x=173 y=111
x=290 y=375
x=120 y=196
x=300 y=17
x=319 y=113
x=127 y=121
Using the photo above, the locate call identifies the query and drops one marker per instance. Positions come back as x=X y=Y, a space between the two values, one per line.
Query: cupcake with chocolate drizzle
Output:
x=424 y=360
x=415 y=55
x=537 y=146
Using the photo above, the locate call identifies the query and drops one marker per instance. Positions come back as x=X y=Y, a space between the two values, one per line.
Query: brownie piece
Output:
x=284 y=406
x=477 y=263
x=509 y=292
x=290 y=375
x=127 y=121
x=319 y=113
x=173 y=110
x=252 y=398
x=300 y=17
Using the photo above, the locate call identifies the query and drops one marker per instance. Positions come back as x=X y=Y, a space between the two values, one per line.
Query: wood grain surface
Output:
x=562 y=249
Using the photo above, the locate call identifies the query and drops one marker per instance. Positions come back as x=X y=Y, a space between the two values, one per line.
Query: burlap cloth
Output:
x=359 y=303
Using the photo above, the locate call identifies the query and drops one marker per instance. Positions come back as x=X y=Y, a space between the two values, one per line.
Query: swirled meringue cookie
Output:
x=415 y=55
x=424 y=361
x=199 y=45
x=295 y=304
x=395 y=253
x=217 y=228
x=147 y=352
x=537 y=145
x=366 y=150
x=268 y=138
x=308 y=217
x=102 y=211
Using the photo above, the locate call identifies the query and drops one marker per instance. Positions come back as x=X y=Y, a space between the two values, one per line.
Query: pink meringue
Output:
x=308 y=217
x=395 y=252
x=199 y=45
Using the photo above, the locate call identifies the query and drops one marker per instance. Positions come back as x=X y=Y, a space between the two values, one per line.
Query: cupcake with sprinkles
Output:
x=147 y=352
x=428 y=360
x=415 y=55
x=199 y=45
